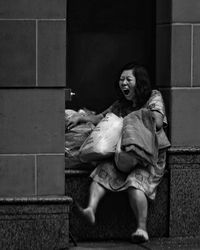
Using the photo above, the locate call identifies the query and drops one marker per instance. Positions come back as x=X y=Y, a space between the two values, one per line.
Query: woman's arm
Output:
x=92 y=118
x=158 y=119
x=76 y=119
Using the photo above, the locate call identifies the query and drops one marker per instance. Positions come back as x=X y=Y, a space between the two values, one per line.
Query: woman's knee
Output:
x=136 y=194
x=97 y=188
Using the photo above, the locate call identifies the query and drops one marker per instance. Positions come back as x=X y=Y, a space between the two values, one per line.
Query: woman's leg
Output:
x=139 y=205
x=96 y=193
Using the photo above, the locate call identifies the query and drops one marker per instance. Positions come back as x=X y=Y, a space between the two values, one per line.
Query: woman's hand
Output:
x=73 y=121
x=77 y=118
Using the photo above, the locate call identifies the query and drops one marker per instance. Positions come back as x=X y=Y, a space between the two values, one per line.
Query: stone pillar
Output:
x=32 y=100
x=178 y=75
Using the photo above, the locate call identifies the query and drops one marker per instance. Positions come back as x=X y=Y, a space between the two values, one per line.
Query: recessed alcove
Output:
x=102 y=36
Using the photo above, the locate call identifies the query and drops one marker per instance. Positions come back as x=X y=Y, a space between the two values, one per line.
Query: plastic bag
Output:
x=103 y=140
x=74 y=138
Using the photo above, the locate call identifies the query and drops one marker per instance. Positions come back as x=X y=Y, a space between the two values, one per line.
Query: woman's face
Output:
x=127 y=83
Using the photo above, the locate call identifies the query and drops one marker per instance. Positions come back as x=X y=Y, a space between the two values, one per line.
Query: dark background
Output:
x=102 y=36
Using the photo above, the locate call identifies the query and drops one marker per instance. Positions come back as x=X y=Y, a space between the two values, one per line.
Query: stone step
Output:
x=34 y=223
x=177 y=243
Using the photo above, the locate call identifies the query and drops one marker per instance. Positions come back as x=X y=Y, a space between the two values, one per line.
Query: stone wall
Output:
x=32 y=100
x=178 y=75
x=177 y=67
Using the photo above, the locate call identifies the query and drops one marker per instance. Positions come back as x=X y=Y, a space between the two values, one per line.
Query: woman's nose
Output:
x=124 y=82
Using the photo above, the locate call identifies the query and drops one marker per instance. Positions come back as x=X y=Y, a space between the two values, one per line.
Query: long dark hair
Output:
x=143 y=84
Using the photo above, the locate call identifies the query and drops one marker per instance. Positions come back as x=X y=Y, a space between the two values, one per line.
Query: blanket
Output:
x=139 y=136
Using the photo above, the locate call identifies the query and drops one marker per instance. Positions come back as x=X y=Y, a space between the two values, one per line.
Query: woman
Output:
x=134 y=93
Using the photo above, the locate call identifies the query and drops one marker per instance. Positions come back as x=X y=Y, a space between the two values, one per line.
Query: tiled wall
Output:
x=32 y=101
x=177 y=70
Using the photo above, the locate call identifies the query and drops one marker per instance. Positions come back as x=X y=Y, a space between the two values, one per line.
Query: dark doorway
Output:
x=102 y=36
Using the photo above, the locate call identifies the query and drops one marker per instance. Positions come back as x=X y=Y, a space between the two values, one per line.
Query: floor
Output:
x=153 y=244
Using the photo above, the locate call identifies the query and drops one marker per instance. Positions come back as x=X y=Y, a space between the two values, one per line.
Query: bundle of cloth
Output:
x=140 y=142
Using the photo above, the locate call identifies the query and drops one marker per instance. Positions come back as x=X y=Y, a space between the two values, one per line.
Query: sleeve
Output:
x=112 y=109
x=156 y=103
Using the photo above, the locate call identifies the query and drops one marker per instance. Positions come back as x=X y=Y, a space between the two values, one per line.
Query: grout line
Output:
x=178 y=88
x=181 y=24
x=192 y=53
x=36 y=52
x=36 y=176
x=45 y=154
x=32 y=19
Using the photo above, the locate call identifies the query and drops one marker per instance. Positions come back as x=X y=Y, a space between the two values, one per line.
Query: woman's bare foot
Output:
x=139 y=236
x=86 y=213
x=89 y=215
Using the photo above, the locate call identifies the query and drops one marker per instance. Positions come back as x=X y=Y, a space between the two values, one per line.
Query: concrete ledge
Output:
x=184 y=167
x=34 y=223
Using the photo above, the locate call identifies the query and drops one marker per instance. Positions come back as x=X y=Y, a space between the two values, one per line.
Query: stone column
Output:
x=178 y=75
x=32 y=100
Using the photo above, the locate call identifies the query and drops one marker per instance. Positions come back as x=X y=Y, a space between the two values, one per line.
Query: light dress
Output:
x=143 y=178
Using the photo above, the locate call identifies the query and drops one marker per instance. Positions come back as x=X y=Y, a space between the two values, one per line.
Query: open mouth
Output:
x=126 y=91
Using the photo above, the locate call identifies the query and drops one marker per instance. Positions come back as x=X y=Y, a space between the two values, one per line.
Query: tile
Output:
x=185 y=11
x=32 y=9
x=184 y=203
x=17 y=176
x=163 y=11
x=17 y=49
x=181 y=56
x=163 y=55
x=185 y=117
x=50 y=175
x=196 y=56
x=32 y=120
x=51 y=53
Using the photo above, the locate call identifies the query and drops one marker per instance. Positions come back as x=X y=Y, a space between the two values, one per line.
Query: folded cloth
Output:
x=163 y=142
x=139 y=135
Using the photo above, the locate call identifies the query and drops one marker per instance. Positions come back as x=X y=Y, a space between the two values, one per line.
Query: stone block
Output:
x=17 y=49
x=34 y=223
x=184 y=11
x=114 y=218
x=185 y=117
x=27 y=9
x=196 y=56
x=31 y=121
x=51 y=53
x=183 y=157
x=50 y=175
x=17 y=176
x=181 y=56
x=163 y=55
x=184 y=200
